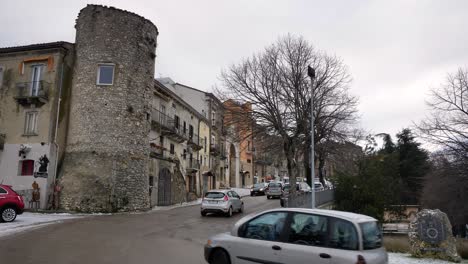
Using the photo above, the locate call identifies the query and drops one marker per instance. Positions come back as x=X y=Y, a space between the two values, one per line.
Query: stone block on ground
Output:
x=431 y=236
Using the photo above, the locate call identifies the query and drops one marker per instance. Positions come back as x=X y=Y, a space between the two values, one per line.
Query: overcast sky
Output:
x=396 y=50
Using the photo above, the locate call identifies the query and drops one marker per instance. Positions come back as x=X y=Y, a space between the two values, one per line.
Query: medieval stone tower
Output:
x=105 y=165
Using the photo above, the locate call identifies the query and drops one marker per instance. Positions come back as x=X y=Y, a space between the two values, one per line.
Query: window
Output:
x=172 y=149
x=30 y=127
x=249 y=161
x=268 y=226
x=213 y=117
x=27 y=167
x=161 y=141
x=371 y=235
x=308 y=229
x=151 y=181
x=105 y=74
x=205 y=145
x=176 y=121
x=343 y=235
x=185 y=154
x=248 y=145
x=36 y=72
x=3 y=191
x=185 y=128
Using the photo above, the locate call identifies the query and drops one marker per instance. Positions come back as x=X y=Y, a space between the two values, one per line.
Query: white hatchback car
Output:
x=296 y=235
x=221 y=201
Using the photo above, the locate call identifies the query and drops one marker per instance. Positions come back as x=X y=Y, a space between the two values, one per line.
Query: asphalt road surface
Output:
x=170 y=236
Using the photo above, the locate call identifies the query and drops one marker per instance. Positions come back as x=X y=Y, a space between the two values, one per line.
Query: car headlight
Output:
x=261 y=189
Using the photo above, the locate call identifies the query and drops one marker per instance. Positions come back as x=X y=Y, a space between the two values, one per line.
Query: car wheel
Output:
x=241 y=209
x=8 y=214
x=219 y=256
x=268 y=197
x=229 y=213
x=251 y=194
x=203 y=213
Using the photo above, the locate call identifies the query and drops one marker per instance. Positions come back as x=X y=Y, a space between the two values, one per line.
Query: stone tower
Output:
x=105 y=165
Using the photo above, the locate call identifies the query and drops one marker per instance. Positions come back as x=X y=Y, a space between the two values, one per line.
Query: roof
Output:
x=334 y=213
x=39 y=46
x=168 y=80
x=180 y=100
x=220 y=190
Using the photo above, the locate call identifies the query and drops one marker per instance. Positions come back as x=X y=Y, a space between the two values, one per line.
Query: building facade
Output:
x=35 y=84
x=178 y=149
x=212 y=109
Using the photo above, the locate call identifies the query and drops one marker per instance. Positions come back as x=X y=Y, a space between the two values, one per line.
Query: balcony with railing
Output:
x=28 y=93
x=214 y=149
x=195 y=141
x=168 y=125
x=192 y=165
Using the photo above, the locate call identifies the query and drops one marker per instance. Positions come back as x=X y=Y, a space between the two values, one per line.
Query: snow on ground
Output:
x=29 y=220
x=400 y=258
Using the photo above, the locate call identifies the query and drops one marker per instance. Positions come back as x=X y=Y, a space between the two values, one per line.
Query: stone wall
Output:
x=105 y=167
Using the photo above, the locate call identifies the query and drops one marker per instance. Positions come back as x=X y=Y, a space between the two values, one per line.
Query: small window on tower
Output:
x=105 y=75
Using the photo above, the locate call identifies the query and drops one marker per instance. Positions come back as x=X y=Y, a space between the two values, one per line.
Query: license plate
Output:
x=213 y=202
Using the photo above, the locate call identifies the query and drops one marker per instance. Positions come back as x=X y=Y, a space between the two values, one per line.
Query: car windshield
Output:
x=214 y=195
x=275 y=184
x=371 y=235
x=259 y=185
x=286 y=188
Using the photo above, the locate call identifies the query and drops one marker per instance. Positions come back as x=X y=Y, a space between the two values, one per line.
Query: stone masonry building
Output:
x=105 y=167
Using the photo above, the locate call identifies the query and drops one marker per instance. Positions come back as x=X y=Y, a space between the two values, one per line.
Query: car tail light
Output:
x=226 y=198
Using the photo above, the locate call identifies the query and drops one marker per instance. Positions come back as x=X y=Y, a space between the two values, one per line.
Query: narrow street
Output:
x=166 y=236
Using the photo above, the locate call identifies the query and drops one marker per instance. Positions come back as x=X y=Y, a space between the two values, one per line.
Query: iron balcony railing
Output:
x=29 y=92
x=194 y=139
x=193 y=164
x=169 y=125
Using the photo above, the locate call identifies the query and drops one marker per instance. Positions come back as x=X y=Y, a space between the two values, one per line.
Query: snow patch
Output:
x=400 y=258
x=29 y=220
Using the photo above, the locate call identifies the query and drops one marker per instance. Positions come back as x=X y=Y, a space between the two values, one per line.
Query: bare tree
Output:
x=275 y=82
x=447 y=125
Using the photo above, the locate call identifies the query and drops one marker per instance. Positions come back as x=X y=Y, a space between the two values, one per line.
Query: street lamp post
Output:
x=311 y=73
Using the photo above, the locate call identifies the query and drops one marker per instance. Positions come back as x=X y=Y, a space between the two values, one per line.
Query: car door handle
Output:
x=324 y=255
x=275 y=247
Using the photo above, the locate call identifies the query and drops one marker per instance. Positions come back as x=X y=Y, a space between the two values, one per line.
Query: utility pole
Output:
x=311 y=73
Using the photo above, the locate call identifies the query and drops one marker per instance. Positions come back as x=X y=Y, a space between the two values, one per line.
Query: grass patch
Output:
x=397 y=243
x=400 y=244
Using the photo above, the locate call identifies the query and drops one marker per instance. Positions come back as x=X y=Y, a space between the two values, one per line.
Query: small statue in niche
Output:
x=43 y=162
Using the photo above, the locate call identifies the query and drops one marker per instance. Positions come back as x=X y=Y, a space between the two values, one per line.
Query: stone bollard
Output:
x=431 y=236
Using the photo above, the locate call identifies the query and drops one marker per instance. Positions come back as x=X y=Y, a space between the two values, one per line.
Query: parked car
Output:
x=258 y=189
x=221 y=201
x=296 y=235
x=274 y=189
x=11 y=204
x=318 y=186
x=301 y=187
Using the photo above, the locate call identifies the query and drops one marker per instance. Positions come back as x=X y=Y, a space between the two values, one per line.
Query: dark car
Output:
x=258 y=189
x=301 y=187
x=11 y=204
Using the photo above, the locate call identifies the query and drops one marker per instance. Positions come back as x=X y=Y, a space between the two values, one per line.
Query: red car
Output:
x=11 y=204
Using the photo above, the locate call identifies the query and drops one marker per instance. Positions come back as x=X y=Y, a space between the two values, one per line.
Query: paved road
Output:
x=171 y=236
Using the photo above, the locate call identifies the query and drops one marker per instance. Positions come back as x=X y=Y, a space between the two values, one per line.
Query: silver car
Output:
x=221 y=201
x=296 y=235
x=274 y=189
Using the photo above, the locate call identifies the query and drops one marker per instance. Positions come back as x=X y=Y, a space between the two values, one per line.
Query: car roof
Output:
x=359 y=218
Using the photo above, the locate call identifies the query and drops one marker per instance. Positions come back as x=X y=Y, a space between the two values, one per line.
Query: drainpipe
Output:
x=57 y=147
